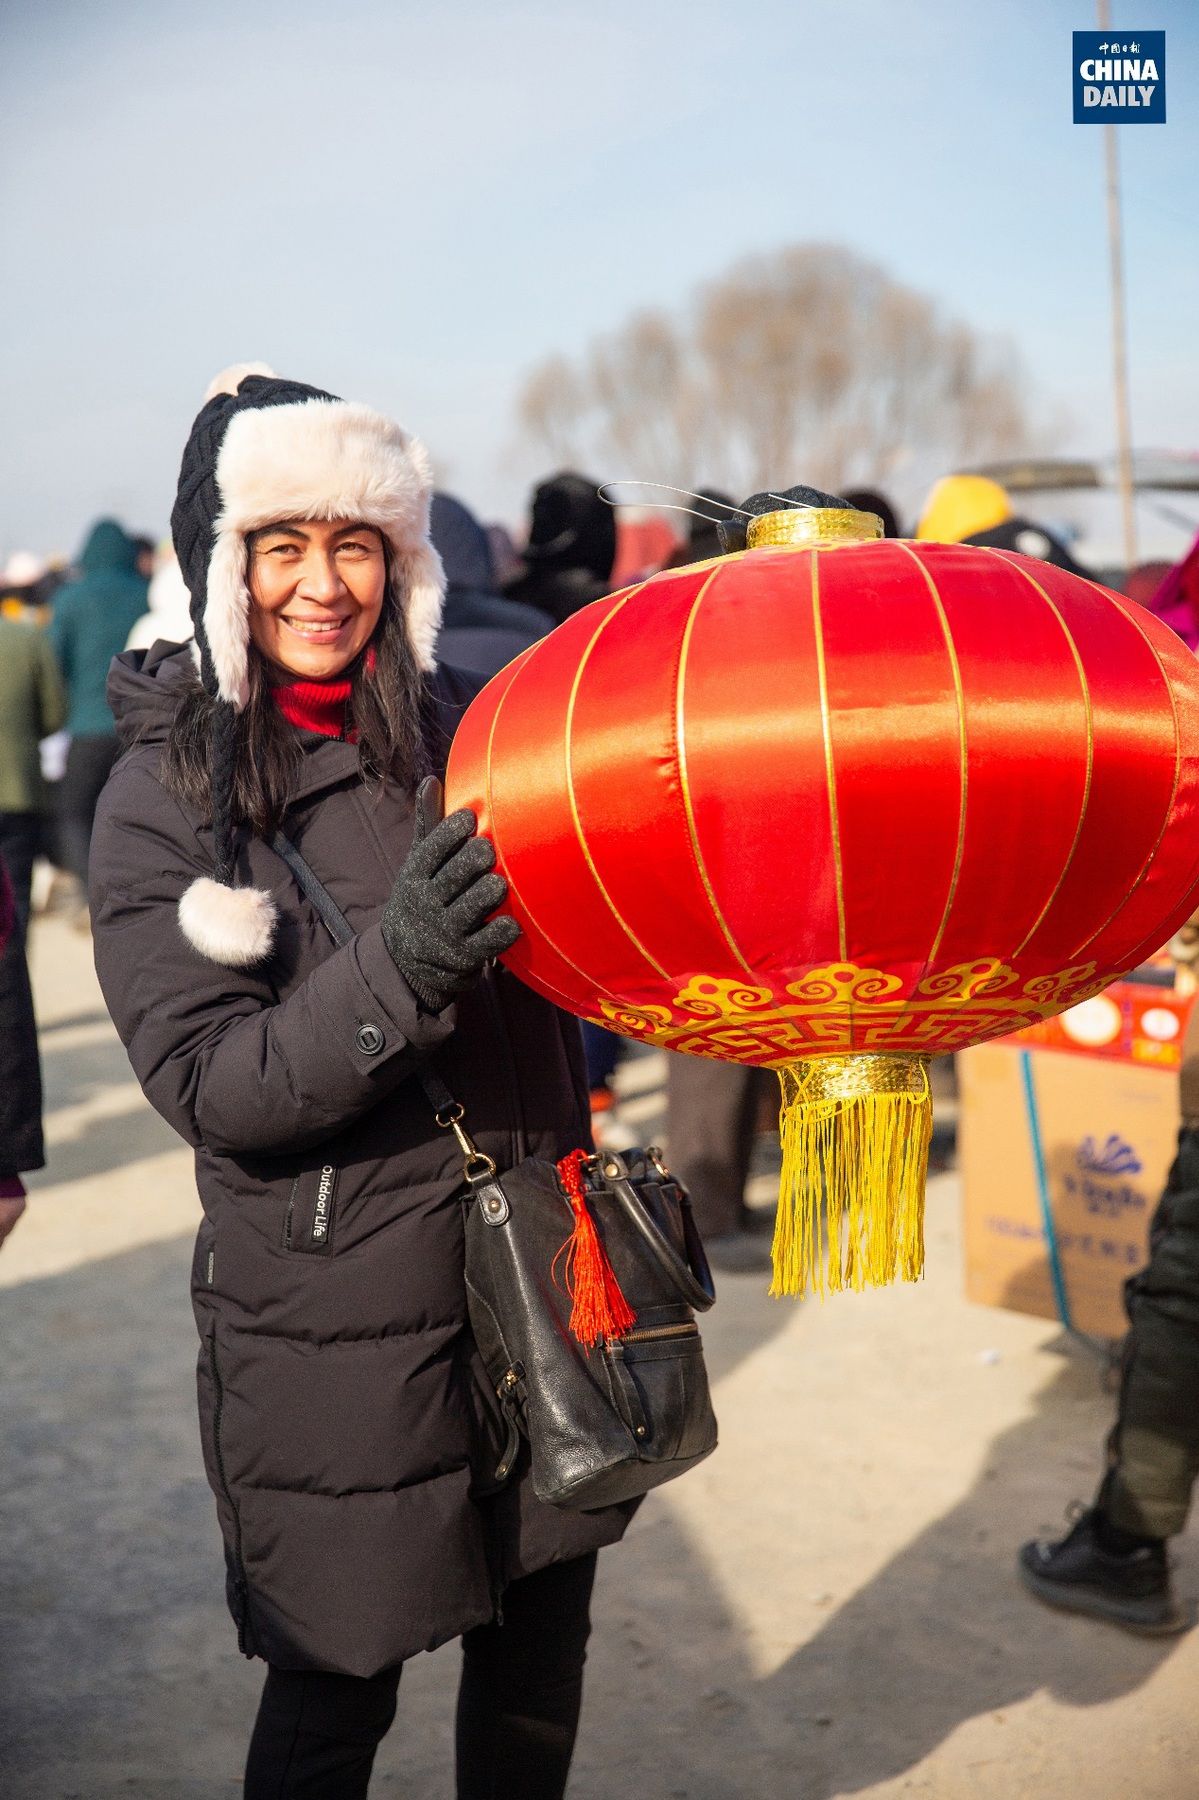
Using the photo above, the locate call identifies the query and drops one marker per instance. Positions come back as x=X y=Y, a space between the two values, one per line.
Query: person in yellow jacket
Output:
x=973 y=509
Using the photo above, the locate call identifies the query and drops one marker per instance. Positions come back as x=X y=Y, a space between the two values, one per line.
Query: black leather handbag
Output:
x=609 y=1418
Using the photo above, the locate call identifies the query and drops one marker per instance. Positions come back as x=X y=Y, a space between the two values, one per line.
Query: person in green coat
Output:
x=32 y=705
x=93 y=616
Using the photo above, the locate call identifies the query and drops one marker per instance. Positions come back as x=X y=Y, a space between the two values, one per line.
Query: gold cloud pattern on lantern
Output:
x=843 y=1008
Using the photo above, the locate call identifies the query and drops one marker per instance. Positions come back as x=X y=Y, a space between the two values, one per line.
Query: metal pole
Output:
x=1115 y=239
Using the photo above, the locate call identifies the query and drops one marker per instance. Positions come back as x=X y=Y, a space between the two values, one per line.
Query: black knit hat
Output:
x=263 y=450
x=733 y=529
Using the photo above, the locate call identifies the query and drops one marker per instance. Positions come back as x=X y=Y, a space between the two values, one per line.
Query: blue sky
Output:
x=414 y=206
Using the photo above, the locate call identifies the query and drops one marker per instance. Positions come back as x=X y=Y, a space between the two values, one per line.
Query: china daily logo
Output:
x=1120 y=78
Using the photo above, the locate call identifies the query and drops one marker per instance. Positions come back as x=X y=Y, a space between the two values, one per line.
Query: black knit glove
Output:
x=433 y=925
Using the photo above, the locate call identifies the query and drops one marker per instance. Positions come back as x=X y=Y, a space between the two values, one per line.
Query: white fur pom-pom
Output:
x=230 y=379
x=231 y=926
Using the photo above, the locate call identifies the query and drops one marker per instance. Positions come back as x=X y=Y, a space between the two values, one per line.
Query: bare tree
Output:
x=811 y=363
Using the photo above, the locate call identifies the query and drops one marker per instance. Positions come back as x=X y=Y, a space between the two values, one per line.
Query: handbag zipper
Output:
x=649 y=1332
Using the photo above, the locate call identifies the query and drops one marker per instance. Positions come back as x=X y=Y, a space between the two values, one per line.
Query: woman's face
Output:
x=317 y=590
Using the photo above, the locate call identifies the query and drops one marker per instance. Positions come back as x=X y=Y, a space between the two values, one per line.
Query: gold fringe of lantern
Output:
x=855 y=1133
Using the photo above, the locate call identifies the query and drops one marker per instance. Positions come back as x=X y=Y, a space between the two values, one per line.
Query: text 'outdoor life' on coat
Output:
x=340 y=1417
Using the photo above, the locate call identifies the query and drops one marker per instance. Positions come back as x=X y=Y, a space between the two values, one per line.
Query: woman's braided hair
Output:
x=225 y=734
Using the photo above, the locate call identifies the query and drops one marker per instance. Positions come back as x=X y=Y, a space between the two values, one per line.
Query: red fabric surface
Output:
x=871 y=796
x=315 y=706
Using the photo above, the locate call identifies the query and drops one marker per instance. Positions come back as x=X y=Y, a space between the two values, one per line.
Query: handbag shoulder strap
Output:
x=341 y=931
x=314 y=890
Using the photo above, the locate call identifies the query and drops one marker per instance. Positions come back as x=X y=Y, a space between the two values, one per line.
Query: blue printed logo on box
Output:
x=1115 y=1156
x=1120 y=78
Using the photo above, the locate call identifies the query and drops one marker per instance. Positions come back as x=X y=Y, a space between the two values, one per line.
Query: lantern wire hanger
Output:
x=607 y=493
x=805 y=517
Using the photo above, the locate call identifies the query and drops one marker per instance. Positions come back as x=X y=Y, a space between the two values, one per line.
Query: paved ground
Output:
x=826 y=1608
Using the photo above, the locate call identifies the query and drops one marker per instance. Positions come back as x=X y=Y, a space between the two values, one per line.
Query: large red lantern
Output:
x=835 y=805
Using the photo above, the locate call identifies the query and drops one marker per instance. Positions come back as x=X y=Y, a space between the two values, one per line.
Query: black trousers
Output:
x=89 y=763
x=20 y=841
x=21 y=1145
x=1153 y=1451
x=518 y=1706
x=712 y=1122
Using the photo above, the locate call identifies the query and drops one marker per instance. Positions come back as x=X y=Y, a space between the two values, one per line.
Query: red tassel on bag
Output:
x=598 y=1308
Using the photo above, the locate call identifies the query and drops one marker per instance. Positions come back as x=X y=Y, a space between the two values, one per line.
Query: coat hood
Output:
x=108 y=546
x=144 y=688
x=481 y=629
x=462 y=545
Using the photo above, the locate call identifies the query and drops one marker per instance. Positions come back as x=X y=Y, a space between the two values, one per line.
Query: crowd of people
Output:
x=162 y=715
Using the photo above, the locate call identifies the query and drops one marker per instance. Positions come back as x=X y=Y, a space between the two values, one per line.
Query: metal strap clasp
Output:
x=476 y=1165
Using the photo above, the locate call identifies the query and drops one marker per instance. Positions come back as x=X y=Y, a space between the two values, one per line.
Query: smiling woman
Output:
x=346 y=1430
x=317 y=590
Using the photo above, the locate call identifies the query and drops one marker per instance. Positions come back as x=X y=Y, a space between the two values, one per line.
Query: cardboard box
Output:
x=1141 y=1021
x=1108 y=1125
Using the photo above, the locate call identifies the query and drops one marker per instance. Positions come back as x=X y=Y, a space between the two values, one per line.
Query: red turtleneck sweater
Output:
x=320 y=706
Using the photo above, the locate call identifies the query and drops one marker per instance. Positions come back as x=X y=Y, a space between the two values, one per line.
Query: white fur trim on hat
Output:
x=319 y=459
x=232 y=926
x=230 y=379
x=419 y=580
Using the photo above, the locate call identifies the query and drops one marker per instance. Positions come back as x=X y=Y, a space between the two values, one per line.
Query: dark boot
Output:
x=1129 y=1587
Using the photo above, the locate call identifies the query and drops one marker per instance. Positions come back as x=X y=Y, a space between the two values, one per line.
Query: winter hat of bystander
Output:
x=261 y=450
x=959 y=506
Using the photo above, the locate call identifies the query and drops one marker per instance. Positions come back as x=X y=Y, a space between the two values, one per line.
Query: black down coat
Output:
x=340 y=1416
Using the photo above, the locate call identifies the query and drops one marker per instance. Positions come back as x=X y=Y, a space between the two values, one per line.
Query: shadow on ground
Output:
x=944 y=1633
x=121 y=1129
x=940 y=1636
x=72 y=1073
x=118 y=1669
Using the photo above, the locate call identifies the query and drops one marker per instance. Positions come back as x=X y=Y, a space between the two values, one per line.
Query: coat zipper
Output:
x=492 y=1535
x=519 y=1143
x=218 y=1392
x=649 y=1332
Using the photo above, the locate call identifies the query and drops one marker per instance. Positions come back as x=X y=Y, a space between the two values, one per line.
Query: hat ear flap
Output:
x=419 y=581
x=227 y=616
